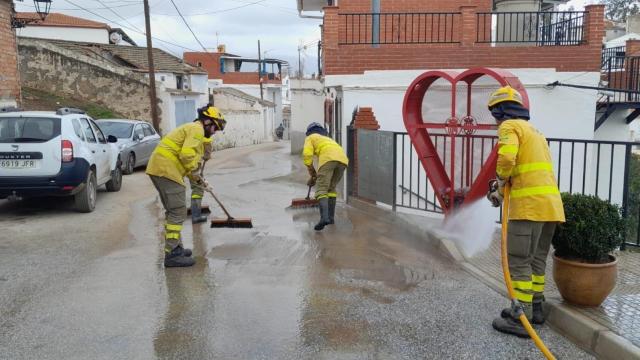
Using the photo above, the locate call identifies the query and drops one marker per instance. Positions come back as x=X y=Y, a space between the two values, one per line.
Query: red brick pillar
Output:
x=330 y=39
x=365 y=119
x=632 y=48
x=9 y=75
x=594 y=24
x=468 y=25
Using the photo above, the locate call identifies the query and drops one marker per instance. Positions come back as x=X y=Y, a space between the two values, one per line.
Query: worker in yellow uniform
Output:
x=332 y=163
x=524 y=160
x=197 y=192
x=179 y=154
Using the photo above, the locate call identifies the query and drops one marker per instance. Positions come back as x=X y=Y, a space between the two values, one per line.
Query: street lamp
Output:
x=42 y=7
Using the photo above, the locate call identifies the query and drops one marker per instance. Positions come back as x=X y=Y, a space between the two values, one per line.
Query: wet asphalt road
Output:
x=92 y=286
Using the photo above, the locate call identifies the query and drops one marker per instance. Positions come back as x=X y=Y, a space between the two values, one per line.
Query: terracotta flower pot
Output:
x=582 y=283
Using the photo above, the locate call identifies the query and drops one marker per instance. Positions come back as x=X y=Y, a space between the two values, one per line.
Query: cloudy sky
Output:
x=238 y=24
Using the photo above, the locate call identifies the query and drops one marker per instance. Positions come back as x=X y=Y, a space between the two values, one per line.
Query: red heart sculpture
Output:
x=460 y=128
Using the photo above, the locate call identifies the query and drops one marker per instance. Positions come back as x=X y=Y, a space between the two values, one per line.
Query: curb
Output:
x=585 y=332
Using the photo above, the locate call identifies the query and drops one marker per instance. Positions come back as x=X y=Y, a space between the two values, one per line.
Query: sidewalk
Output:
x=611 y=331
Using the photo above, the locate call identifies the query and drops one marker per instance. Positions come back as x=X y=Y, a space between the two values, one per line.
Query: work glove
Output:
x=312 y=181
x=312 y=171
x=199 y=180
x=494 y=195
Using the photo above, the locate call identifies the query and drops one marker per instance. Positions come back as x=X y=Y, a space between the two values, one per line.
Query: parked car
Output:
x=62 y=153
x=136 y=140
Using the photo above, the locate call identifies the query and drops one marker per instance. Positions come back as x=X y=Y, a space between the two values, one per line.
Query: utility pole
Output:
x=299 y=63
x=152 y=72
x=260 y=71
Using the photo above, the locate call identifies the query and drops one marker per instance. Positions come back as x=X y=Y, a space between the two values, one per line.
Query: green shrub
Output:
x=633 y=207
x=593 y=229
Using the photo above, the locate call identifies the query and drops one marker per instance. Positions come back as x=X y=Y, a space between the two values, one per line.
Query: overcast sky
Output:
x=236 y=23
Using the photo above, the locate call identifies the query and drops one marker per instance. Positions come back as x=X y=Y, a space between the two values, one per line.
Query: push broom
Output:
x=230 y=221
x=301 y=203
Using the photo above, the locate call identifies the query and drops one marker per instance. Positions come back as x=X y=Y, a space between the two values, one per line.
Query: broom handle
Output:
x=308 y=193
x=214 y=195
x=219 y=203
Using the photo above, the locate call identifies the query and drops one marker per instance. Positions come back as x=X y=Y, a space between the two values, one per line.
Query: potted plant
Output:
x=584 y=269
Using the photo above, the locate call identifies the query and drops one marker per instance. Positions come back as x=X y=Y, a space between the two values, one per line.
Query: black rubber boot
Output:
x=183 y=251
x=196 y=212
x=510 y=326
x=176 y=258
x=324 y=214
x=537 y=317
x=332 y=211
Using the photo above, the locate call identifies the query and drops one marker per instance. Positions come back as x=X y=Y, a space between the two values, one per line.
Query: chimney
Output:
x=222 y=48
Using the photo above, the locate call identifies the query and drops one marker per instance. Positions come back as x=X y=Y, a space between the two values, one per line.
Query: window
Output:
x=77 y=129
x=199 y=64
x=162 y=78
x=179 y=82
x=31 y=129
x=98 y=133
x=148 y=131
x=139 y=132
x=88 y=133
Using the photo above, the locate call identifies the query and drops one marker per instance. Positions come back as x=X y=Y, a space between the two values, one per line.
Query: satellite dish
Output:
x=115 y=38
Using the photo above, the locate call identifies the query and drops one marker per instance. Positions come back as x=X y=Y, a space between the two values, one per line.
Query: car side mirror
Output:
x=112 y=139
x=137 y=137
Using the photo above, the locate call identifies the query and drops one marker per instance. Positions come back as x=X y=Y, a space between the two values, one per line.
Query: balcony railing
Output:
x=613 y=58
x=621 y=77
x=543 y=28
x=399 y=28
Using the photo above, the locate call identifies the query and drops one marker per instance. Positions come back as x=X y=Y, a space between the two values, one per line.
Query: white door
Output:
x=104 y=154
x=185 y=111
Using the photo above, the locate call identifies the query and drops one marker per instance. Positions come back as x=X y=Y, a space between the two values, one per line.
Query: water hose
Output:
x=515 y=305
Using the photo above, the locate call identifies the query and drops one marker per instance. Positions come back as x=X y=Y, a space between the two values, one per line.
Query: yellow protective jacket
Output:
x=524 y=157
x=178 y=153
x=324 y=148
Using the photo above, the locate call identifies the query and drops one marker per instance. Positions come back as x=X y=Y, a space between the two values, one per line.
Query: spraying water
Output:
x=471 y=228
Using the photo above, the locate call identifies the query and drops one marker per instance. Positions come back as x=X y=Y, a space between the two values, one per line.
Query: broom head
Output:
x=232 y=223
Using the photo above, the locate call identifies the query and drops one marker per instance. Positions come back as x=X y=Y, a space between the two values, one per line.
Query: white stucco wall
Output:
x=248 y=122
x=100 y=36
x=307 y=106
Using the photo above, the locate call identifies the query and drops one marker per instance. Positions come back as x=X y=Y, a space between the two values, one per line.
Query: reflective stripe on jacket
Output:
x=524 y=156
x=178 y=153
x=324 y=148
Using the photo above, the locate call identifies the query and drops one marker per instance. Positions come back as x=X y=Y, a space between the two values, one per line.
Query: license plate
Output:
x=18 y=164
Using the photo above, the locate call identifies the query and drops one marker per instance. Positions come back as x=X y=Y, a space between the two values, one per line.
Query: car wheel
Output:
x=85 y=200
x=115 y=183
x=131 y=164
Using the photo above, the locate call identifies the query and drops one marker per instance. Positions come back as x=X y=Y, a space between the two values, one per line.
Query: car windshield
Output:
x=28 y=129
x=118 y=129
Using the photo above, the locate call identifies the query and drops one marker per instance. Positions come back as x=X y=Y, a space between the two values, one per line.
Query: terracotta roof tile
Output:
x=62 y=20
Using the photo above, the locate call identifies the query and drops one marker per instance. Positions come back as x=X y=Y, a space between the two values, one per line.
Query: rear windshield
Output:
x=28 y=129
x=117 y=129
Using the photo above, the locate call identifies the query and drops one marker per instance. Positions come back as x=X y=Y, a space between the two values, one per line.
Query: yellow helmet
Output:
x=505 y=93
x=212 y=112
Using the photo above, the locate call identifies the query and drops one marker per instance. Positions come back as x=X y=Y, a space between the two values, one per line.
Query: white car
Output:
x=62 y=153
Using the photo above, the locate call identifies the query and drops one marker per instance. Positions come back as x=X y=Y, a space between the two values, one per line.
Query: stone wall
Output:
x=9 y=80
x=53 y=69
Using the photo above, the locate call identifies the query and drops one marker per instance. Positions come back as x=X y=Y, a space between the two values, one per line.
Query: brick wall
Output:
x=45 y=67
x=9 y=75
x=355 y=59
x=211 y=63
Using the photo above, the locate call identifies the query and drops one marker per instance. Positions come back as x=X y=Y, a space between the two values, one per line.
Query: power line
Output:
x=126 y=27
x=118 y=15
x=215 y=11
x=188 y=27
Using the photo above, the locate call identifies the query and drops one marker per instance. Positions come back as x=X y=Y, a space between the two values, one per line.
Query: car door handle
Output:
x=93 y=151
x=104 y=150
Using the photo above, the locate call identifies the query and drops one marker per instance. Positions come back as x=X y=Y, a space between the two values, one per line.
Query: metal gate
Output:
x=375 y=159
x=185 y=111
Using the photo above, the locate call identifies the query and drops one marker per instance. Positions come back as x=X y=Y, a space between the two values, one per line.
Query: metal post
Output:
x=260 y=71
x=625 y=191
x=152 y=73
x=395 y=171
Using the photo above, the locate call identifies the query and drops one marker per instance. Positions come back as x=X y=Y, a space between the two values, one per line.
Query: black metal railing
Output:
x=607 y=169
x=613 y=57
x=542 y=28
x=398 y=28
x=621 y=79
